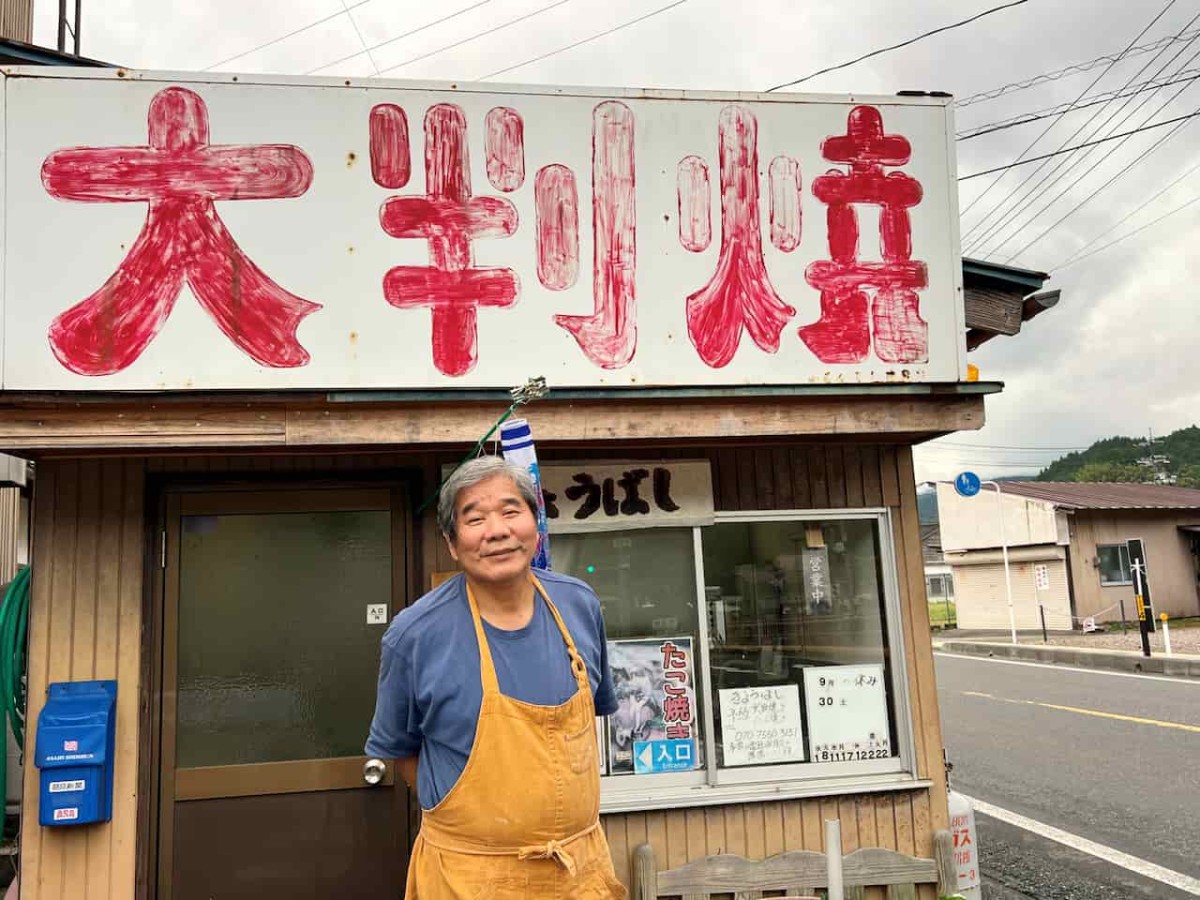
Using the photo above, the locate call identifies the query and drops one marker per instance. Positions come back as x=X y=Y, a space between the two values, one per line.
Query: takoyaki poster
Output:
x=654 y=680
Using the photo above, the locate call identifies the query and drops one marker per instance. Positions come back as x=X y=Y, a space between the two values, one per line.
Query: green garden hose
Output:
x=14 y=620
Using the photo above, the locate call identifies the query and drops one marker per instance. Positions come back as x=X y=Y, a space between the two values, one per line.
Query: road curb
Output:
x=1114 y=660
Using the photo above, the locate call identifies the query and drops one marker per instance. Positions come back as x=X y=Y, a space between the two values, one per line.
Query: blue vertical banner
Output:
x=516 y=441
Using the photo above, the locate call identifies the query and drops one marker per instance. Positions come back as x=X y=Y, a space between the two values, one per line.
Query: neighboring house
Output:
x=939 y=579
x=1072 y=536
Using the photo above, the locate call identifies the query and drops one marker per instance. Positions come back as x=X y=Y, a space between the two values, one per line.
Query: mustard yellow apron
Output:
x=523 y=819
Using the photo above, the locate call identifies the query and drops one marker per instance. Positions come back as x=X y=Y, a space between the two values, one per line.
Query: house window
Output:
x=757 y=656
x=1114 y=564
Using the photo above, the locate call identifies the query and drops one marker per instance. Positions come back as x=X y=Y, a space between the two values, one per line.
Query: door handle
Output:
x=374 y=771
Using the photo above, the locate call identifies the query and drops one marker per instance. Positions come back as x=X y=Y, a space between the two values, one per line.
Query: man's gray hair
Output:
x=470 y=474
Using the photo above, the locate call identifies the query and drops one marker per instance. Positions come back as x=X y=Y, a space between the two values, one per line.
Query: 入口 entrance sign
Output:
x=316 y=233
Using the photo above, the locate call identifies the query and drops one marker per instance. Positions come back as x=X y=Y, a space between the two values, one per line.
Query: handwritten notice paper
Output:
x=847 y=713
x=761 y=725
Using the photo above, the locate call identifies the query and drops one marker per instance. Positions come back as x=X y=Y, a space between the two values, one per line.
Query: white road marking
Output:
x=1185 y=883
x=1088 y=671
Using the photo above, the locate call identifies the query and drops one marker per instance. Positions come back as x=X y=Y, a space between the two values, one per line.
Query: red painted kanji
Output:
x=739 y=294
x=449 y=218
x=180 y=174
x=843 y=333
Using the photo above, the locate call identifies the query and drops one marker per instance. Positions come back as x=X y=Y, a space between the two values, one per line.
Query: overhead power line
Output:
x=1050 y=127
x=362 y=40
x=482 y=34
x=1063 y=168
x=588 y=40
x=1088 y=199
x=1061 y=108
x=1133 y=212
x=367 y=50
x=882 y=50
x=291 y=34
x=1103 y=140
x=1076 y=69
x=1130 y=234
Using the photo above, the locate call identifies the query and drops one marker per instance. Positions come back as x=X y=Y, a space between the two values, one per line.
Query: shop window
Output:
x=1114 y=564
x=646 y=582
x=798 y=643
x=757 y=654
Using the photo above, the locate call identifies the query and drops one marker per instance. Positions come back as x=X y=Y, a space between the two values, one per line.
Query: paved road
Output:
x=1095 y=754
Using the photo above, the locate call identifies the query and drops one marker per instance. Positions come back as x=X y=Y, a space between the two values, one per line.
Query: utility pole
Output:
x=64 y=26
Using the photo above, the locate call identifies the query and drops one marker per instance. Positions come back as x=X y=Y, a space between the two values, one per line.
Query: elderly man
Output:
x=488 y=691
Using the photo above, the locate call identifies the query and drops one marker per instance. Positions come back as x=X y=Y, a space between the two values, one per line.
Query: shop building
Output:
x=238 y=435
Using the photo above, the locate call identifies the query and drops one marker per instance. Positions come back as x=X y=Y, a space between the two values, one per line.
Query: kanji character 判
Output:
x=180 y=175
x=843 y=333
x=740 y=294
x=449 y=218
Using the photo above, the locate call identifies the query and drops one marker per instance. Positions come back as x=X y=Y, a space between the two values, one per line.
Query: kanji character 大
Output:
x=180 y=175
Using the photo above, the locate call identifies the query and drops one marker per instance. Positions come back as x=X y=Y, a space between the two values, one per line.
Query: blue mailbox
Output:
x=74 y=752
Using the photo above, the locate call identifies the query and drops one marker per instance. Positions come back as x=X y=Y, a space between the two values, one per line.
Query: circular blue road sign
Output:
x=967 y=484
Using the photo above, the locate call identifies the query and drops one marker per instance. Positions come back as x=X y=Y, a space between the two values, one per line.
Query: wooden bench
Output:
x=797 y=873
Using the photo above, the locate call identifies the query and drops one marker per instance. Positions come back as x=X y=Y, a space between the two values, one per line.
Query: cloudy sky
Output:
x=1118 y=356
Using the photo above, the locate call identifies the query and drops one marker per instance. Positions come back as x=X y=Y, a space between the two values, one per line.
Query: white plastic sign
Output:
x=761 y=725
x=847 y=713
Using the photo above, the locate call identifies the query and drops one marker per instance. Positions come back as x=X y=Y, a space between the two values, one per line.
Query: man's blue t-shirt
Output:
x=429 y=677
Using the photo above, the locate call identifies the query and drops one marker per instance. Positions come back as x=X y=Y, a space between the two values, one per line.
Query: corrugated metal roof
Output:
x=1106 y=495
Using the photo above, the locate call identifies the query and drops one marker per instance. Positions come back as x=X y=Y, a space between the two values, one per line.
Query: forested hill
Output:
x=1173 y=459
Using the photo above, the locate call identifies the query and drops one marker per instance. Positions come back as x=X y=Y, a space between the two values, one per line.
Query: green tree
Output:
x=1113 y=471
x=1189 y=476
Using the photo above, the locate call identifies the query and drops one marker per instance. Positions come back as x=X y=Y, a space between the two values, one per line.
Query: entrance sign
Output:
x=290 y=233
x=847 y=713
x=761 y=725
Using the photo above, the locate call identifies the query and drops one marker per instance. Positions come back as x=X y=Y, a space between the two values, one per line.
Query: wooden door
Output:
x=274 y=605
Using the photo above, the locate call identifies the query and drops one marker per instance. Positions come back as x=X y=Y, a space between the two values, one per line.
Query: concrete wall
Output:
x=973 y=523
x=1168 y=557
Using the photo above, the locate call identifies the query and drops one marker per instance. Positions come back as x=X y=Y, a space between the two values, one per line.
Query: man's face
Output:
x=496 y=533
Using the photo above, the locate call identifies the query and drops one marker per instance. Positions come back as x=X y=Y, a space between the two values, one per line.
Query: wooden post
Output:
x=943 y=855
x=645 y=880
x=833 y=859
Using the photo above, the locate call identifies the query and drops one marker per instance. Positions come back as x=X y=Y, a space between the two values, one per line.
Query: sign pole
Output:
x=1141 y=591
x=968 y=484
x=1012 y=616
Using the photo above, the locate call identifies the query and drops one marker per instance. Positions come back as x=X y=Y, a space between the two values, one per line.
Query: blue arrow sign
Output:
x=967 y=484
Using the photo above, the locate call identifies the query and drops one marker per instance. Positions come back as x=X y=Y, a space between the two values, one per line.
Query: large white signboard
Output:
x=201 y=232
x=847 y=713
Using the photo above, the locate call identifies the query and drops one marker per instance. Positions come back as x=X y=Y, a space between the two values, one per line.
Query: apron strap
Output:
x=487 y=668
x=578 y=667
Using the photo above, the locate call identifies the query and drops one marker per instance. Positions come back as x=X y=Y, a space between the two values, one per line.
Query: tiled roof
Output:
x=1106 y=495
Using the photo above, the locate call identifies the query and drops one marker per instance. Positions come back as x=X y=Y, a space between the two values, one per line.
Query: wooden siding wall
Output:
x=16 y=20
x=85 y=622
x=10 y=532
x=89 y=562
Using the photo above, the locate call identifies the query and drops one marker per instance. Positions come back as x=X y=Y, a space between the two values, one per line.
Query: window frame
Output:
x=1123 y=563
x=715 y=785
